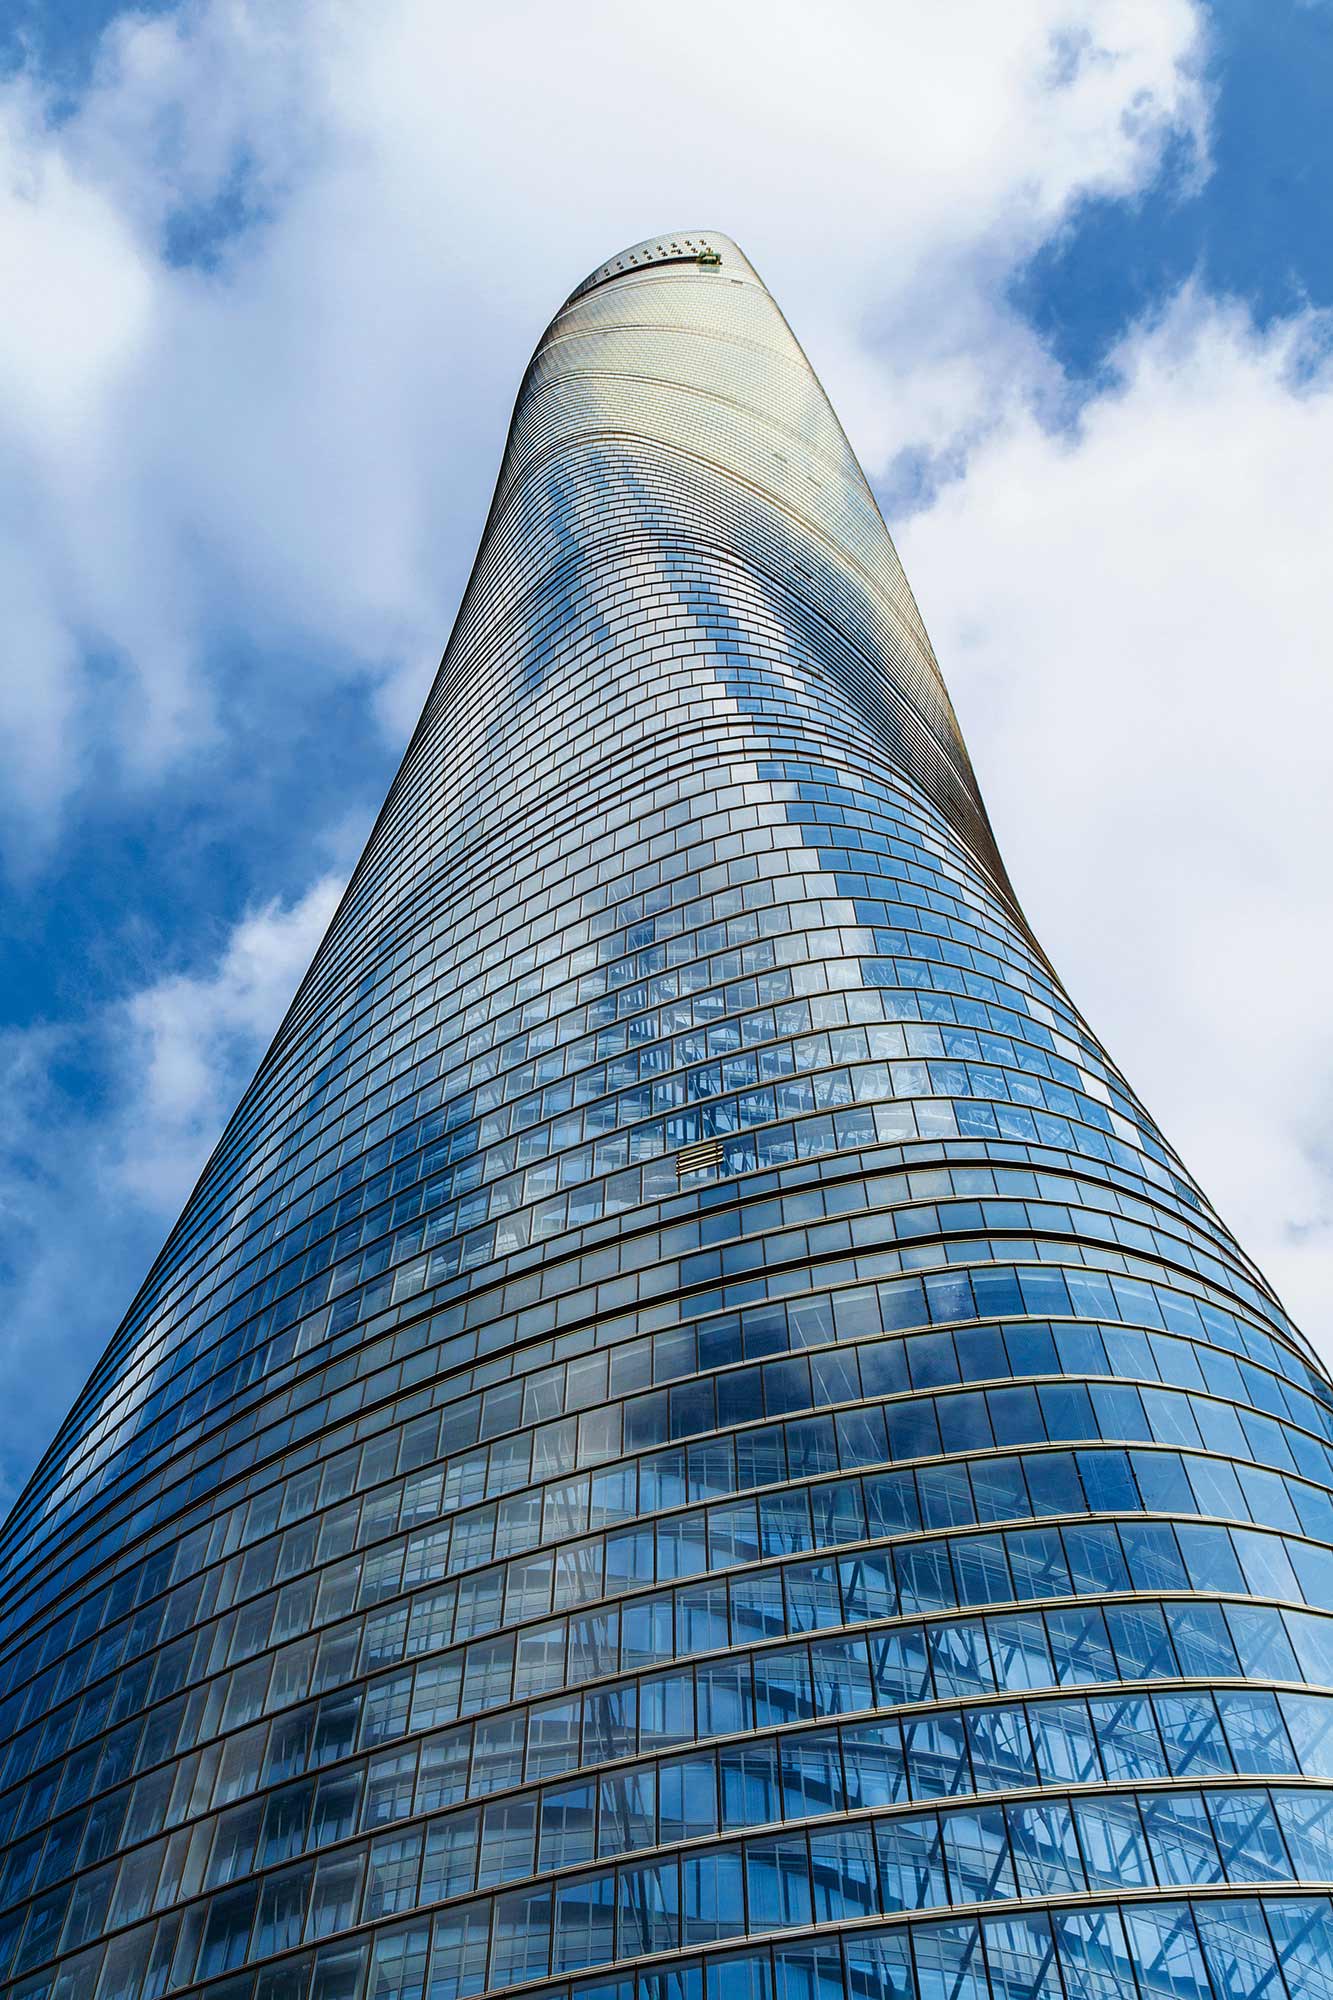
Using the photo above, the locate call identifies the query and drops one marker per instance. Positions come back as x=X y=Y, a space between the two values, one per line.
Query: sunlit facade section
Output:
x=694 y=1440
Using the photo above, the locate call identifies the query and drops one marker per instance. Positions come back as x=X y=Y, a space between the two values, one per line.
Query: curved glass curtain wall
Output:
x=694 y=1442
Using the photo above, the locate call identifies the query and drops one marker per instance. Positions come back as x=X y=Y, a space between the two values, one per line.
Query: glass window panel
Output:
x=1037 y=1560
x=1306 y=1819
x=999 y=1490
x=869 y=1589
x=911 y=1862
x=777 y=1875
x=976 y=1850
x=1270 y=1643
x=1210 y=1559
x=1080 y=1645
x=1020 y=1652
x=1153 y=1556
x=1127 y=1737
x=960 y=1658
x=945 y=1491
x=1302 y=1930
x=712 y=1896
x=878 y=1965
x=336 y=1895
x=811 y=1775
x=1020 y=1952
x=1046 y=1853
x=1180 y=1839
x=585 y=1920
x=1001 y=1748
x=843 y=1873
x=687 y=1797
x=1052 y=1476
x=521 y=1947
x=1248 y=1839
x=1192 y=1734
x=981 y=1570
x=1094 y=1954
x=925 y=1577
x=1166 y=1952
x=628 y=1813
x=750 y=1790
x=1141 y=1642
x=901 y=1665
x=398 y=1963
x=1108 y=1481
x=949 y=1963
x=782 y=1690
x=508 y=1839
x=936 y=1752
x=1096 y=1563
x=1202 y=1640
x=649 y=1908
x=1238 y=1949
x=392 y=1870
x=1309 y=1718
x=1263 y=1558
x=808 y=1972
x=740 y=1976
x=1255 y=1732
x=874 y=1765
x=1065 y=1743
x=1111 y=1836
x=450 y=1865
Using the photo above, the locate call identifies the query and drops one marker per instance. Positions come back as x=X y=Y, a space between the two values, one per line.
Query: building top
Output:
x=706 y=247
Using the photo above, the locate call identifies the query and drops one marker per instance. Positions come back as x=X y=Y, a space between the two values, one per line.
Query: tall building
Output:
x=694 y=1441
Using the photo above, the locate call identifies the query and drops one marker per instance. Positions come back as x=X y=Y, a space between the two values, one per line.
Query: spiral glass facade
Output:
x=694 y=1442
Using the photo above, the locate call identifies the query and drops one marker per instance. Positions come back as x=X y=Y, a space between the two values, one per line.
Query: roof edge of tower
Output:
x=708 y=248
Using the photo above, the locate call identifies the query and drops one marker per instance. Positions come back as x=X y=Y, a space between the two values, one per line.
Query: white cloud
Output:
x=296 y=444
x=192 y=1040
x=89 y=1181
x=1134 y=621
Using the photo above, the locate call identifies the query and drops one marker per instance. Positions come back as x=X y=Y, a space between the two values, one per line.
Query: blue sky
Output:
x=1065 y=269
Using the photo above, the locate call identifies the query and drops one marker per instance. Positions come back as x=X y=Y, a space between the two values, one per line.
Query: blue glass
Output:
x=694 y=1441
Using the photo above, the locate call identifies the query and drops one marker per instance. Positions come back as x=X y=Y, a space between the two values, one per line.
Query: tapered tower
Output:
x=694 y=1441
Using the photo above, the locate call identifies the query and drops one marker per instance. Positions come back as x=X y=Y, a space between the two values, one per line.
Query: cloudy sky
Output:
x=271 y=274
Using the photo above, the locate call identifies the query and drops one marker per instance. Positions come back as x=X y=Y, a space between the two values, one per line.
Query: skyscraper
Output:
x=694 y=1441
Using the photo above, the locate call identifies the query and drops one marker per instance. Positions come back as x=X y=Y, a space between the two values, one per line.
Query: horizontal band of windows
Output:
x=1217 y=1323
x=1019 y=1149
x=856 y=1434
x=1252 y=1339
x=1269 y=1948
x=793 y=1882
x=701 y=1794
x=1114 y=1485
x=560 y=1574
x=772 y=1681
x=469 y=1242
x=904 y=1299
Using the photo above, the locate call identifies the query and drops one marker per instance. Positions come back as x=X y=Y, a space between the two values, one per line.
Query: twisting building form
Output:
x=694 y=1442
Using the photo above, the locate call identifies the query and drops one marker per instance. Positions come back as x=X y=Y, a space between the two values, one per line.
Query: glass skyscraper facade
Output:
x=694 y=1441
